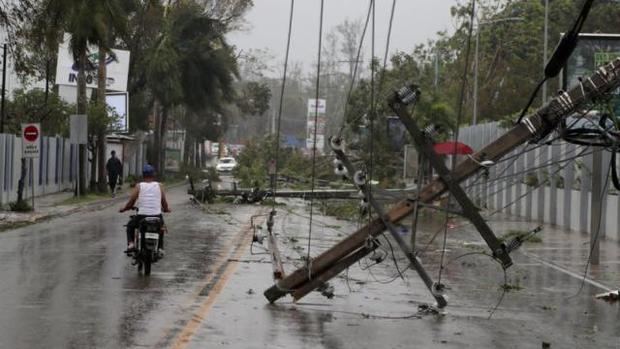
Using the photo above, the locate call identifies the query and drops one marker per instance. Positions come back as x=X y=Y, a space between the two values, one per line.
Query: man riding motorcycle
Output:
x=149 y=197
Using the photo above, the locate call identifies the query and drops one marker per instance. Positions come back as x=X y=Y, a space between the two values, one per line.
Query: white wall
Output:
x=540 y=203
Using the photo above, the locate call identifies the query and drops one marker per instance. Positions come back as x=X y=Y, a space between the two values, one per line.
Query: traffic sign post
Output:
x=31 y=140
x=31 y=148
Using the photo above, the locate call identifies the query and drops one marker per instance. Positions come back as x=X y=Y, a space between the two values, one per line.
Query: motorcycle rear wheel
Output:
x=147 y=263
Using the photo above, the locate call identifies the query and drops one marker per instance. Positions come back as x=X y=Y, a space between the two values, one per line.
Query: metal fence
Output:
x=551 y=183
x=55 y=169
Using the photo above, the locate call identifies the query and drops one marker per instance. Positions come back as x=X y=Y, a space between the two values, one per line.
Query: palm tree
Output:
x=189 y=64
x=90 y=23
x=109 y=17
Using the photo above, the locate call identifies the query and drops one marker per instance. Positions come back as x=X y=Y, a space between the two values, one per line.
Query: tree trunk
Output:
x=101 y=133
x=200 y=155
x=203 y=151
x=92 y=148
x=187 y=142
x=20 y=183
x=151 y=151
x=196 y=154
x=162 y=148
x=81 y=109
x=156 y=160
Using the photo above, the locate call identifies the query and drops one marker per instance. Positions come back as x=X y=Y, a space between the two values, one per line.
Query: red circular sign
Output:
x=31 y=133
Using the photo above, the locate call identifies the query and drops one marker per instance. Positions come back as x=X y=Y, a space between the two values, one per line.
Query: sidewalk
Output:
x=60 y=204
x=568 y=252
x=57 y=205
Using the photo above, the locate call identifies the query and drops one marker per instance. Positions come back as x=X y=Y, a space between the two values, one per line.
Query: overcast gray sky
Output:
x=415 y=22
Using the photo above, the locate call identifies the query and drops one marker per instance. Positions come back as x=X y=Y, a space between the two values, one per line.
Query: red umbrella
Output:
x=451 y=148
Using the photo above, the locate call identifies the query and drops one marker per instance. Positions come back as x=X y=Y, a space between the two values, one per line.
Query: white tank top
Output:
x=149 y=199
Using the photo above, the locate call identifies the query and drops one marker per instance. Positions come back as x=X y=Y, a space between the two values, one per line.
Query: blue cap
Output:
x=148 y=171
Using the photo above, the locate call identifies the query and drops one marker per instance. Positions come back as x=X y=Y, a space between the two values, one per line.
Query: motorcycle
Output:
x=147 y=241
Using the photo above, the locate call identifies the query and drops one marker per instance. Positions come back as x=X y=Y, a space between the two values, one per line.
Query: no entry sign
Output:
x=31 y=136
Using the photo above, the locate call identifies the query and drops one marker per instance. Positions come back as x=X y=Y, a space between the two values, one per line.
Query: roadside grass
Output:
x=344 y=210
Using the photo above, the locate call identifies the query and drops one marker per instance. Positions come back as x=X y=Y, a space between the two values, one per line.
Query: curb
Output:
x=91 y=206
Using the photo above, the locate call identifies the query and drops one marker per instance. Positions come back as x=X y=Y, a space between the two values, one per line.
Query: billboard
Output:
x=119 y=103
x=592 y=51
x=117 y=63
x=316 y=111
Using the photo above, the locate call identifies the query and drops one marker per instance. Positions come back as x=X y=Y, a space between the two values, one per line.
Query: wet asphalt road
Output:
x=65 y=283
x=373 y=308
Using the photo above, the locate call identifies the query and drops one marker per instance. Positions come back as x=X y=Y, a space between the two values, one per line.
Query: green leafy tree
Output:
x=34 y=106
x=189 y=64
x=90 y=23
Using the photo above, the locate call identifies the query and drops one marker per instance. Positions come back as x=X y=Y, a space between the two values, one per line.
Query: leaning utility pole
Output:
x=532 y=128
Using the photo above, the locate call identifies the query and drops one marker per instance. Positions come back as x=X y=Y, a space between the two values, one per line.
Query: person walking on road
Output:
x=115 y=170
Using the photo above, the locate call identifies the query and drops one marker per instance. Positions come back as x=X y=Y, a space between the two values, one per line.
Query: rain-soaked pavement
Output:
x=66 y=284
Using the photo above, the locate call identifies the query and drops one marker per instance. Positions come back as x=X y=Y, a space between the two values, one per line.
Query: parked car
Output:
x=226 y=164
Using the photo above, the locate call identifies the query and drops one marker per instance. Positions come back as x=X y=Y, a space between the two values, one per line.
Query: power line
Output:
x=274 y=184
x=357 y=60
x=456 y=128
x=596 y=236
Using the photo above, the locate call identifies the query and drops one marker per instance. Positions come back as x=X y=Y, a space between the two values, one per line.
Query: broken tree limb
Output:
x=533 y=127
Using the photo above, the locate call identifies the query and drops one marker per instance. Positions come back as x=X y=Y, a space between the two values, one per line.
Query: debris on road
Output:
x=611 y=296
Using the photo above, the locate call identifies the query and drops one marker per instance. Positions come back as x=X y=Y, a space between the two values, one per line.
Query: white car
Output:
x=226 y=164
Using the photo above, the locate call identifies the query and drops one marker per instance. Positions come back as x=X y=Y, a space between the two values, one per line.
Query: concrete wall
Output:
x=564 y=198
x=52 y=172
x=55 y=169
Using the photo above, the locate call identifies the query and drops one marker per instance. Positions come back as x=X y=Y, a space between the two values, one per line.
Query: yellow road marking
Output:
x=183 y=339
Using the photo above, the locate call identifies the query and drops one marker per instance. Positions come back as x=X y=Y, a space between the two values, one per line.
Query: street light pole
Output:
x=475 y=117
x=544 y=89
x=3 y=88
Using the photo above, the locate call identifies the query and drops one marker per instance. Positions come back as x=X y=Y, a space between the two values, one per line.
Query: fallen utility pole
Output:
x=365 y=187
x=276 y=259
x=208 y=193
x=425 y=146
x=532 y=128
